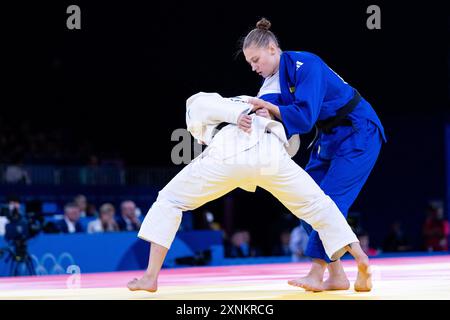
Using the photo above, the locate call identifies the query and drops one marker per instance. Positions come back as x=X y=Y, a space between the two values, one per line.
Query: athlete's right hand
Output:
x=244 y=122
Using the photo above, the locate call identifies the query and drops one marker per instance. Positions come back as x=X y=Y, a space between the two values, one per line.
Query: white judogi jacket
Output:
x=205 y=111
x=207 y=177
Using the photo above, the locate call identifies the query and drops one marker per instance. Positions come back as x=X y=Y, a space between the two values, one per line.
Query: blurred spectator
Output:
x=51 y=227
x=106 y=221
x=240 y=245
x=3 y=222
x=436 y=228
x=38 y=144
x=91 y=173
x=204 y=220
x=17 y=174
x=364 y=241
x=138 y=213
x=71 y=223
x=128 y=220
x=354 y=220
x=81 y=201
x=298 y=242
x=214 y=225
x=396 y=240
x=91 y=210
x=283 y=248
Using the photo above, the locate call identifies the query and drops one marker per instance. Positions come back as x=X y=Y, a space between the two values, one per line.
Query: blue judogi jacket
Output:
x=312 y=91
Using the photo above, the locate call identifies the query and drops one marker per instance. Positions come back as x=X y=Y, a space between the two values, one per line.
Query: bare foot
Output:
x=309 y=283
x=337 y=283
x=144 y=283
x=363 y=281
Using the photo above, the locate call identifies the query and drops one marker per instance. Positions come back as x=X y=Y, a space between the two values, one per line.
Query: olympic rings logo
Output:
x=48 y=264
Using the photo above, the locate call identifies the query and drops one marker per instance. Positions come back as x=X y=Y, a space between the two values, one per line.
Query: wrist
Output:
x=269 y=106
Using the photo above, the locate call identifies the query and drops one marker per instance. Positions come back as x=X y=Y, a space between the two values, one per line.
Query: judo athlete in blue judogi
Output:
x=305 y=94
x=235 y=159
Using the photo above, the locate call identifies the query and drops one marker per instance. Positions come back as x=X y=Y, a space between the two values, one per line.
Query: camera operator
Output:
x=10 y=210
x=19 y=228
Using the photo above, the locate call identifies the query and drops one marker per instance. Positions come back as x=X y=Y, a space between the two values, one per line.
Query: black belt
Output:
x=221 y=125
x=340 y=118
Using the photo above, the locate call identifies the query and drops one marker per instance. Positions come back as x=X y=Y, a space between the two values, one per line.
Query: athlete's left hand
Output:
x=257 y=103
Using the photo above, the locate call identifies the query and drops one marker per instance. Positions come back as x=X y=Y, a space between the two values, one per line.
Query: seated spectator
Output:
x=71 y=223
x=128 y=220
x=396 y=240
x=364 y=241
x=3 y=222
x=90 y=174
x=354 y=220
x=91 y=210
x=106 y=221
x=203 y=220
x=283 y=248
x=298 y=242
x=17 y=174
x=240 y=245
x=436 y=228
x=50 y=227
x=81 y=201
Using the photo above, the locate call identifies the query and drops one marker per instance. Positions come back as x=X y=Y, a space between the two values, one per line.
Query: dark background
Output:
x=122 y=80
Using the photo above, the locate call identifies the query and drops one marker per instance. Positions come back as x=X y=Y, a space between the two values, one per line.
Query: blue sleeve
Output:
x=300 y=116
x=273 y=98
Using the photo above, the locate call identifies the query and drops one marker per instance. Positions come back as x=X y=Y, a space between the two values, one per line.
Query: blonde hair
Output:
x=261 y=36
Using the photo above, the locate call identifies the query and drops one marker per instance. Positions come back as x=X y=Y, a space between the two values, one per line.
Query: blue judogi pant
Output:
x=340 y=163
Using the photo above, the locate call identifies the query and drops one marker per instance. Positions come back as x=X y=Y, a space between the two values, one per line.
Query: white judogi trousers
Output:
x=267 y=165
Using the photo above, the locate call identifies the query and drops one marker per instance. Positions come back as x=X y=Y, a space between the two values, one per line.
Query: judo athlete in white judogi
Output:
x=234 y=158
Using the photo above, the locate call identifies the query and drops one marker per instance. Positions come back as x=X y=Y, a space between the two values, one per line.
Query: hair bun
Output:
x=263 y=24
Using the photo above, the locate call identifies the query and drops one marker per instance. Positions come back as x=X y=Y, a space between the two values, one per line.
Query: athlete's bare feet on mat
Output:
x=309 y=283
x=336 y=283
x=363 y=281
x=337 y=279
x=144 y=283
